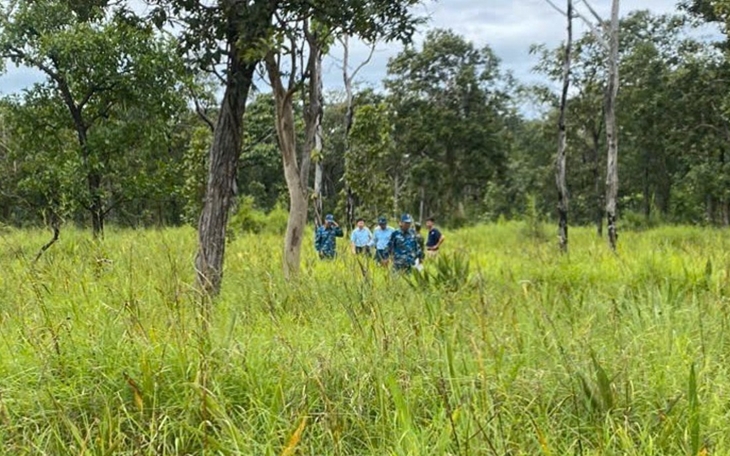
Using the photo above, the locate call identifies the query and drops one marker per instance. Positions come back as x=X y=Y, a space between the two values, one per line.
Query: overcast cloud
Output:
x=508 y=26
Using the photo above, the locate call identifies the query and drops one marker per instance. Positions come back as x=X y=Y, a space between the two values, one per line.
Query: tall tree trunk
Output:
x=296 y=174
x=612 y=129
x=318 y=177
x=599 y=195
x=560 y=163
x=225 y=152
x=351 y=203
x=297 y=193
x=314 y=128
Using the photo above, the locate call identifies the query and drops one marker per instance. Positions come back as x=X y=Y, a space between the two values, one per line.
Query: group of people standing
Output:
x=405 y=247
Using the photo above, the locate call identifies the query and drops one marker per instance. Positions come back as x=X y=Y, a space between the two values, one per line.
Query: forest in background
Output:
x=447 y=137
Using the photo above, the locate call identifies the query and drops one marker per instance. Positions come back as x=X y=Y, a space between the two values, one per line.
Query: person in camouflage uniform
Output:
x=403 y=246
x=325 y=242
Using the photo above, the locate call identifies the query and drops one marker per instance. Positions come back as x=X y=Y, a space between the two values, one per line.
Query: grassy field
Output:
x=103 y=349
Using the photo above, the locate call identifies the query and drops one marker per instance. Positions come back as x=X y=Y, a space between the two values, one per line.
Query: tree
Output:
x=128 y=78
x=563 y=196
x=232 y=34
x=307 y=30
x=451 y=104
x=610 y=42
x=348 y=78
x=371 y=162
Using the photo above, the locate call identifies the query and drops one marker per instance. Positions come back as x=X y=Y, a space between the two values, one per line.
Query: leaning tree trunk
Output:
x=560 y=163
x=223 y=163
x=611 y=128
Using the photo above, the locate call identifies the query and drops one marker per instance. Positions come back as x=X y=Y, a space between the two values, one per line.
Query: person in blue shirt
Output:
x=325 y=242
x=404 y=247
x=435 y=238
x=381 y=238
x=361 y=238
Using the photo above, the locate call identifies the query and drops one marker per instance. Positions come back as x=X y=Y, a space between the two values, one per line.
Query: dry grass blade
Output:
x=295 y=438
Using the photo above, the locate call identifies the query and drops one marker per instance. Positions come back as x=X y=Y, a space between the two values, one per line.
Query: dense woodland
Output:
x=120 y=131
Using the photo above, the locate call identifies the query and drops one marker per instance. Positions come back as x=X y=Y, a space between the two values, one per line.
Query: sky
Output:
x=510 y=27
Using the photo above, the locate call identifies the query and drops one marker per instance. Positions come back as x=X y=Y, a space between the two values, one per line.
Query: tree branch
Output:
x=593 y=28
x=200 y=111
x=593 y=11
x=363 y=63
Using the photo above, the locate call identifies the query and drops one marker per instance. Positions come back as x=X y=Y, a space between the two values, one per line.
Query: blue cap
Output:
x=406 y=218
x=329 y=218
x=382 y=220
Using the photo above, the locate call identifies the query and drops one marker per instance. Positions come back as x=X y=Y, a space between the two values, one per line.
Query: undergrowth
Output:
x=501 y=347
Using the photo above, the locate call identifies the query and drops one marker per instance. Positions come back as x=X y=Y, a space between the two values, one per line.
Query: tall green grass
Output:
x=500 y=348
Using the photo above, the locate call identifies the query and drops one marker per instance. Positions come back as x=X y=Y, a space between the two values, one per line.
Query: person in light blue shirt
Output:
x=381 y=238
x=361 y=238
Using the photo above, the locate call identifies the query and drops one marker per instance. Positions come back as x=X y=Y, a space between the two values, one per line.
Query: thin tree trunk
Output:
x=56 y=228
x=223 y=163
x=612 y=129
x=349 y=116
x=96 y=207
x=318 y=177
x=560 y=164
x=314 y=128
x=599 y=195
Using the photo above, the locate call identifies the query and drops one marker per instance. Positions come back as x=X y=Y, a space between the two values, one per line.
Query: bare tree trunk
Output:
x=599 y=195
x=611 y=128
x=347 y=78
x=349 y=116
x=560 y=164
x=318 y=177
x=296 y=174
x=285 y=130
x=223 y=162
x=314 y=127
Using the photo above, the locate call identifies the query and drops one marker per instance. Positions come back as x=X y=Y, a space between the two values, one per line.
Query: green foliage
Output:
x=249 y=220
x=373 y=167
x=450 y=272
x=106 y=108
x=452 y=103
x=194 y=170
x=534 y=227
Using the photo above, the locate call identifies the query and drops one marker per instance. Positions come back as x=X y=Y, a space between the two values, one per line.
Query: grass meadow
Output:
x=105 y=348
